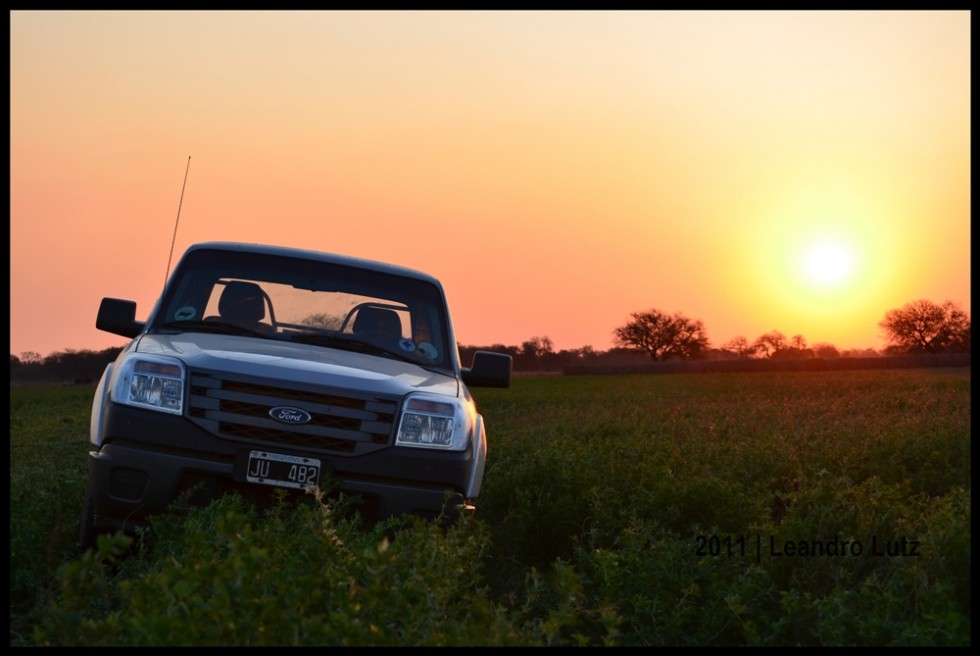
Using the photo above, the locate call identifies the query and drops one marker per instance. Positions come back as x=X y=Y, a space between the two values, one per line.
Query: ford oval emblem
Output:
x=289 y=415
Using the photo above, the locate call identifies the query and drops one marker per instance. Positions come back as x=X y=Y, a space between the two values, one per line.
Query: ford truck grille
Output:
x=341 y=422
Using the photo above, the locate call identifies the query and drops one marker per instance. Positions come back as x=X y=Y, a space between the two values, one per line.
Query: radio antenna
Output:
x=184 y=186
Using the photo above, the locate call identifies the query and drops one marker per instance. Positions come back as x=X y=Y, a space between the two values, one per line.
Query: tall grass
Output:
x=616 y=510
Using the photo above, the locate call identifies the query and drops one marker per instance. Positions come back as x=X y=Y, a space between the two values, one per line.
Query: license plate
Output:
x=282 y=470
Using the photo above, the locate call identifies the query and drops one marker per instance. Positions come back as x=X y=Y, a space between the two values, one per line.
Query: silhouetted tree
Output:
x=824 y=350
x=925 y=327
x=536 y=347
x=739 y=347
x=65 y=366
x=792 y=353
x=769 y=343
x=536 y=353
x=663 y=336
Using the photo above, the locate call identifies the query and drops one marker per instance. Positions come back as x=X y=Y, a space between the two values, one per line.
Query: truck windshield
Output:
x=301 y=299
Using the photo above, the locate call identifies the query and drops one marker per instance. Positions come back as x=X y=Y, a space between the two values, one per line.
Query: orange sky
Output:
x=796 y=171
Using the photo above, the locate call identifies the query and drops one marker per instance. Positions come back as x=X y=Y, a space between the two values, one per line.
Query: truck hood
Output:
x=302 y=363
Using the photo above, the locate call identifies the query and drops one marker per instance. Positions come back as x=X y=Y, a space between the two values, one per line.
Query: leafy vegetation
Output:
x=617 y=510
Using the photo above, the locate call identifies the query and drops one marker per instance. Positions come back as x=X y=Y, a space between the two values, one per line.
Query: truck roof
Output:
x=320 y=256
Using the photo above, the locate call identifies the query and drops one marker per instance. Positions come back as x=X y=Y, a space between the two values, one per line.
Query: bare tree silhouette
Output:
x=739 y=347
x=924 y=327
x=664 y=336
x=771 y=342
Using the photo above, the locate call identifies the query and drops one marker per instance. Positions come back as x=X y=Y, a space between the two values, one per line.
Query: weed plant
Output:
x=616 y=510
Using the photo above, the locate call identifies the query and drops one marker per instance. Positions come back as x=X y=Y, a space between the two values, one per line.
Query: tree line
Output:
x=919 y=327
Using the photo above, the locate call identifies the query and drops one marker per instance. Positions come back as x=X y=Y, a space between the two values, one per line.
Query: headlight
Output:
x=151 y=382
x=433 y=422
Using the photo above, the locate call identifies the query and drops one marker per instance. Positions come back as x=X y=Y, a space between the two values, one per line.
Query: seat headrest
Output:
x=379 y=321
x=242 y=302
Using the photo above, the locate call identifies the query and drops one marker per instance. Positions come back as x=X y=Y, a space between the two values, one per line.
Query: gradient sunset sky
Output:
x=799 y=171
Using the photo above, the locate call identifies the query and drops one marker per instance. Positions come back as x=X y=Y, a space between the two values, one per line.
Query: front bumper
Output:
x=133 y=478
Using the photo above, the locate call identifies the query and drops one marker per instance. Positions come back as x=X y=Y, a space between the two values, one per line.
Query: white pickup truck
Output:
x=264 y=367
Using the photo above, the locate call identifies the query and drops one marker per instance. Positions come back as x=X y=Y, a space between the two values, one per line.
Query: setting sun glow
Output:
x=829 y=263
x=799 y=171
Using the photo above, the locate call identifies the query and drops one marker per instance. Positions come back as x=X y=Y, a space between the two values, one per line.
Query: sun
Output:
x=828 y=263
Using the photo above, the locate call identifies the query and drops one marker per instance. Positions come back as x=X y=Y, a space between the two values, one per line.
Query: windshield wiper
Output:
x=348 y=344
x=210 y=326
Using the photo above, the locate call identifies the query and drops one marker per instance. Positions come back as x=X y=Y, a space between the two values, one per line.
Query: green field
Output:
x=809 y=508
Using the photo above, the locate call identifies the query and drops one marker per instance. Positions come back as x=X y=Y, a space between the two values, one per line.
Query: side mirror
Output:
x=489 y=370
x=119 y=317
